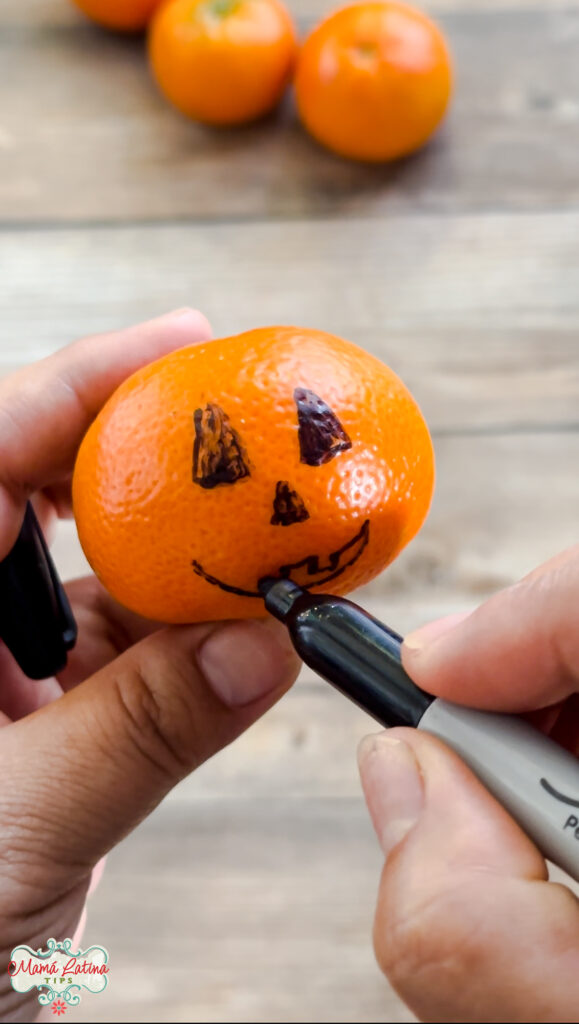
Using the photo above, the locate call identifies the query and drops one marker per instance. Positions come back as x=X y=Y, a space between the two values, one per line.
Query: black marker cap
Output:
x=352 y=650
x=36 y=620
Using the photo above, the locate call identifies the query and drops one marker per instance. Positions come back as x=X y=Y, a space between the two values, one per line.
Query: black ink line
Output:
x=559 y=796
x=312 y=562
x=198 y=568
x=363 y=535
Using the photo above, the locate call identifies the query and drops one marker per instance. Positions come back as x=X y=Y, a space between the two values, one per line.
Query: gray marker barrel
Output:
x=530 y=775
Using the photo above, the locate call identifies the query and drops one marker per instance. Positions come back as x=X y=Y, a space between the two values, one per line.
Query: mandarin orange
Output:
x=223 y=62
x=278 y=452
x=123 y=15
x=373 y=80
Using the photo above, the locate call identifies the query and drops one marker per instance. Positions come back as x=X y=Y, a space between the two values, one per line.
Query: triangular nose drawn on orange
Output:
x=288 y=506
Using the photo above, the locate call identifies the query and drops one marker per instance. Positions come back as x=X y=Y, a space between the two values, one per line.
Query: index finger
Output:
x=46 y=409
x=517 y=652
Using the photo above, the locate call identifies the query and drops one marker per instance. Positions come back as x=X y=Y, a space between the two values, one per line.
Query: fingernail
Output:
x=393 y=787
x=243 y=661
x=421 y=638
x=192 y=319
x=97 y=874
x=183 y=311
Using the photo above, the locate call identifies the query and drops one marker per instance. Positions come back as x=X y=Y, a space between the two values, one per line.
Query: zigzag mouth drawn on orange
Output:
x=302 y=572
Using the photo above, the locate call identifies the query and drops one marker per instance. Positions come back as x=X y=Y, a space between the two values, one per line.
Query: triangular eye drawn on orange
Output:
x=321 y=435
x=218 y=455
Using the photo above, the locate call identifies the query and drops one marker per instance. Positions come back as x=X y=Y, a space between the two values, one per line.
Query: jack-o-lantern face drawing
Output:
x=219 y=458
x=281 y=452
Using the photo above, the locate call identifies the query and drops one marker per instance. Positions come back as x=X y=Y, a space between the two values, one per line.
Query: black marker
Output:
x=532 y=777
x=36 y=620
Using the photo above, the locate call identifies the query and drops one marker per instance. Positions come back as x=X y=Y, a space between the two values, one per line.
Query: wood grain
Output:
x=479 y=315
x=63 y=12
x=246 y=959
x=249 y=895
x=85 y=136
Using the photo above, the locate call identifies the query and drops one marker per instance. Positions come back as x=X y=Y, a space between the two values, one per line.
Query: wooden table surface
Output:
x=249 y=895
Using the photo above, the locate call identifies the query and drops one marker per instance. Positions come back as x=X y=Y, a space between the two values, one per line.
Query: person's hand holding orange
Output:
x=282 y=451
x=138 y=707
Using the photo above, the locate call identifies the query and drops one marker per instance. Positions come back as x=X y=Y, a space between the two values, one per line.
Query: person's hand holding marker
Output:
x=468 y=928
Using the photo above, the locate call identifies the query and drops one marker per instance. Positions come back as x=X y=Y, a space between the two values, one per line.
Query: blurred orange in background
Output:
x=223 y=62
x=374 y=80
x=125 y=15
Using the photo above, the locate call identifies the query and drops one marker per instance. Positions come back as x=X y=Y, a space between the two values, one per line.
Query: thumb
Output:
x=105 y=754
x=467 y=927
x=517 y=652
